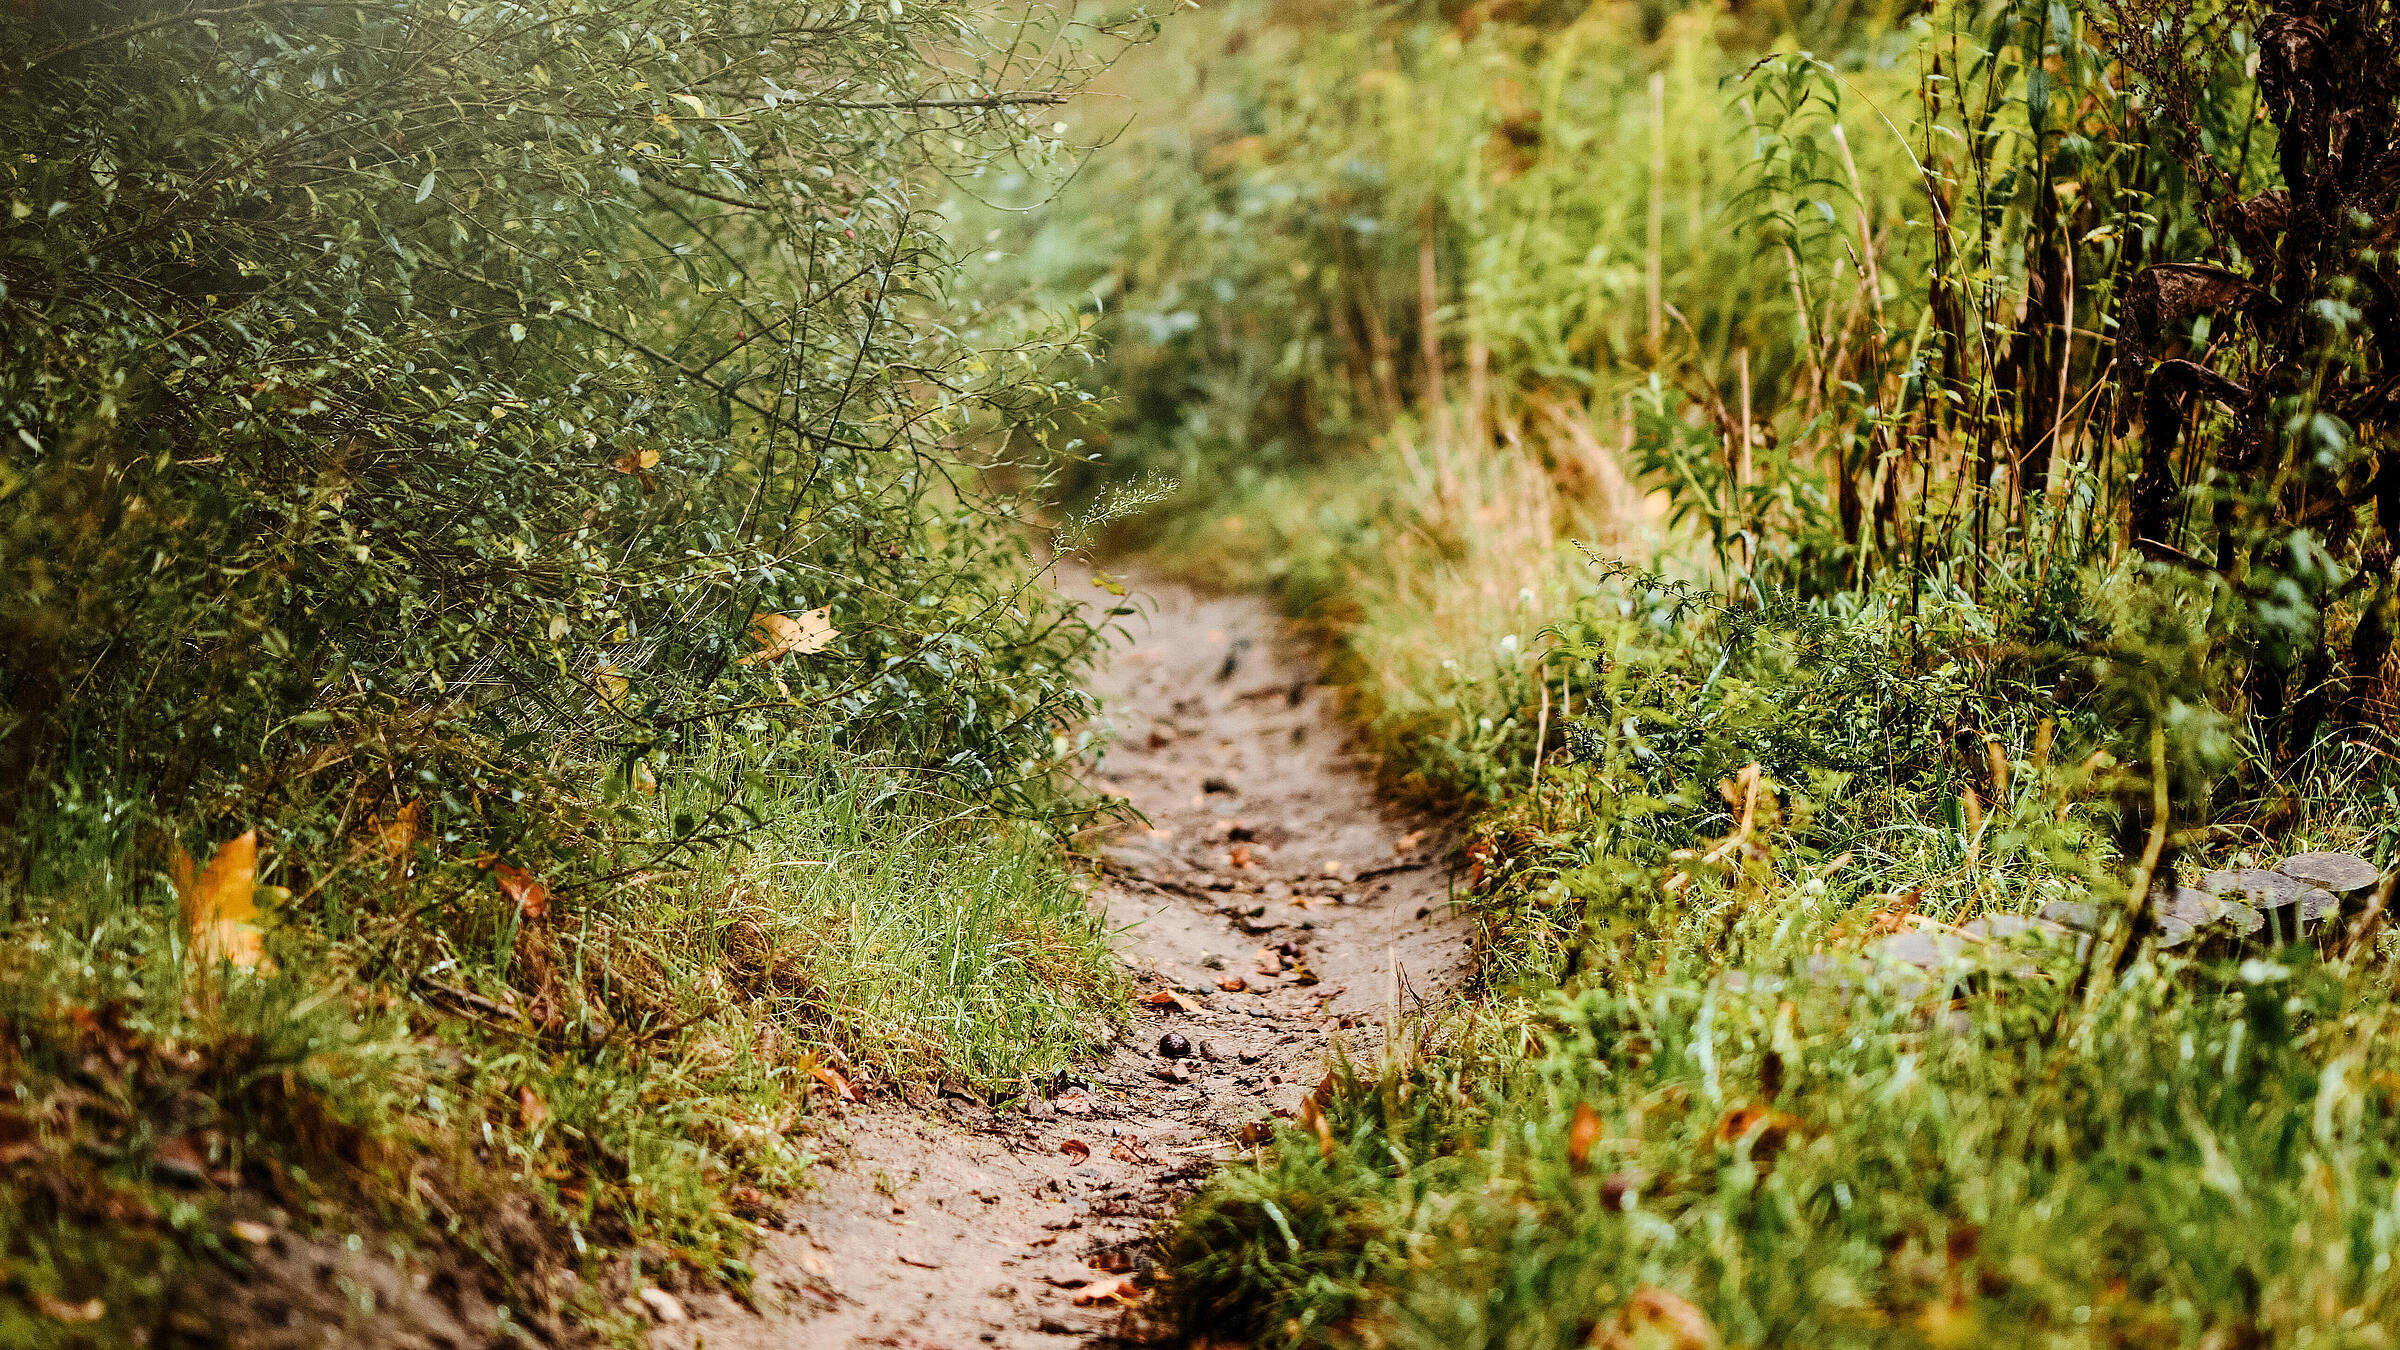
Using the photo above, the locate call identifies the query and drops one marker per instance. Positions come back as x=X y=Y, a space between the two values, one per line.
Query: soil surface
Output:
x=1272 y=890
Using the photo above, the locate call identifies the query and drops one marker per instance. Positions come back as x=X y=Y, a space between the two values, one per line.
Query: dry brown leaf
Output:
x=59 y=1310
x=833 y=1081
x=531 y=1109
x=1123 y=1289
x=1076 y=1102
x=1582 y=1134
x=1077 y=1151
x=781 y=635
x=1654 y=1319
x=1170 y=998
x=1129 y=1149
x=220 y=903
x=1765 y=1128
x=634 y=461
x=661 y=1305
x=524 y=890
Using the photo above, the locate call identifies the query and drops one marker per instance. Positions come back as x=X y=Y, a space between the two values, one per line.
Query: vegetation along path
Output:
x=1271 y=907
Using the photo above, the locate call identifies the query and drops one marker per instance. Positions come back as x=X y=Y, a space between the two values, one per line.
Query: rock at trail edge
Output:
x=2345 y=874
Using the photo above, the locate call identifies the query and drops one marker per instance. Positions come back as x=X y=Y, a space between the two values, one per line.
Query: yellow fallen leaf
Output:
x=610 y=683
x=781 y=635
x=220 y=903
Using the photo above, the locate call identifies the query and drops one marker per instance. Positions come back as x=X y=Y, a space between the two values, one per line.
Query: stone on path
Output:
x=2286 y=906
x=2344 y=874
x=2080 y=915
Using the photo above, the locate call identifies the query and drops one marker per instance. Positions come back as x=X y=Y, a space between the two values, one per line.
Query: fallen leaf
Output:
x=1766 y=1129
x=1654 y=1319
x=609 y=683
x=1129 y=1149
x=179 y=1160
x=531 y=1110
x=1270 y=961
x=1232 y=984
x=1170 y=998
x=1582 y=1134
x=1312 y=1119
x=220 y=903
x=251 y=1231
x=833 y=1081
x=1254 y=1133
x=1077 y=1151
x=524 y=889
x=90 y=1310
x=1076 y=1102
x=663 y=1306
x=1171 y=1072
x=918 y=1261
x=399 y=834
x=781 y=635
x=1119 y=1290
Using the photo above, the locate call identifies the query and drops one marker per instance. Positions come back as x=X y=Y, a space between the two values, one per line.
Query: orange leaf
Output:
x=1119 y=1290
x=399 y=834
x=220 y=903
x=634 y=461
x=1582 y=1134
x=834 y=1082
x=531 y=896
x=1312 y=1118
x=781 y=635
x=1655 y=1318
x=1077 y=1151
x=1169 y=998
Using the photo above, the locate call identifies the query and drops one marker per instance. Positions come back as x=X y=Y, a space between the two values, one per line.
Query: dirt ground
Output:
x=1268 y=860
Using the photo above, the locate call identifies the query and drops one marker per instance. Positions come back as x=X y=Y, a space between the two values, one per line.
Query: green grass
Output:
x=636 y=1063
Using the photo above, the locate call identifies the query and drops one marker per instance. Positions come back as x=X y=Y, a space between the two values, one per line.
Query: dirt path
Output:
x=947 y=1225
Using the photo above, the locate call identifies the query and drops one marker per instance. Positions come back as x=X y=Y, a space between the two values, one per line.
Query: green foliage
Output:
x=370 y=362
x=409 y=414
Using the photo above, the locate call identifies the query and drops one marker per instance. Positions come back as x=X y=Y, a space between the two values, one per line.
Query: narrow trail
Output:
x=943 y=1225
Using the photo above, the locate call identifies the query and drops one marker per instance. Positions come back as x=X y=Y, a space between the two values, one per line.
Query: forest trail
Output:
x=945 y=1226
